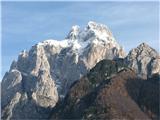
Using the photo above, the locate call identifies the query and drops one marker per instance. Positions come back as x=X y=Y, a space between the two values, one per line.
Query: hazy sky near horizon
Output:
x=27 y=23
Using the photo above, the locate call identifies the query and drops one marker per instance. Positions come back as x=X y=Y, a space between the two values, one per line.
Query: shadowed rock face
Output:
x=118 y=95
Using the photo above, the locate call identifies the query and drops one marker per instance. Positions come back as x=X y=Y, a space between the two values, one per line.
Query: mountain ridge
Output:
x=43 y=75
x=100 y=95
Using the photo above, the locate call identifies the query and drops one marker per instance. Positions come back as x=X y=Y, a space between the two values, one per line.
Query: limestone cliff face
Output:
x=39 y=76
x=84 y=49
x=144 y=60
x=28 y=90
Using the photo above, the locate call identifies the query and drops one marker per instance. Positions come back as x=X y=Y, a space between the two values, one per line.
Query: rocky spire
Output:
x=73 y=34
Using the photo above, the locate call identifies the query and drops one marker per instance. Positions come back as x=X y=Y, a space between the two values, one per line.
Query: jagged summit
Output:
x=79 y=39
x=144 y=59
x=92 y=29
x=74 y=32
x=98 y=27
x=144 y=50
x=145 y=46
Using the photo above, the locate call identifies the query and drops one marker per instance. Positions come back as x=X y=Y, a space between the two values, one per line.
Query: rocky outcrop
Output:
x=144 y=60
x=105 y=93
x=28 y=91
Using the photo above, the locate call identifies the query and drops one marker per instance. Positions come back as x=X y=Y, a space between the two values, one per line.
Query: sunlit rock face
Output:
x=28 y=90
x=84 y=49
x=144 y=60
x=44 y=73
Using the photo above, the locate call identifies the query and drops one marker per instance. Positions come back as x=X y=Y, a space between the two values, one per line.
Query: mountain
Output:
x=110 y=91
x=144 y=60
x=86 y=75
x=34 y=83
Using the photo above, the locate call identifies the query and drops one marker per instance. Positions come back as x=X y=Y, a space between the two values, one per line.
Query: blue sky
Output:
x=26 y=23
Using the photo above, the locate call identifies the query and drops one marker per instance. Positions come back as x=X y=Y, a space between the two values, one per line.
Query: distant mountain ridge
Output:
x=43 y=75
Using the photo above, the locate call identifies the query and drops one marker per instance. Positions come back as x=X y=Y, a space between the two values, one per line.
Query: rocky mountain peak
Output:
x=144 y=59
x=49 y=68
x=143 y=45
x=97 y=26
x=74 y=32
x=100 y=30
x=91 y=32
x=144 y=48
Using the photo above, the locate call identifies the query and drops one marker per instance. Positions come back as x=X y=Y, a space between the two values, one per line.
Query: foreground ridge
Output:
x=110 y=90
